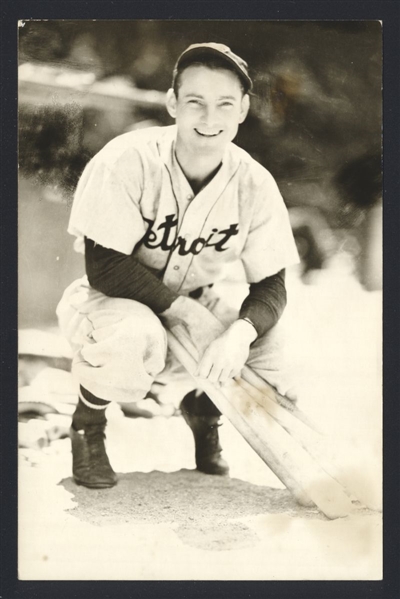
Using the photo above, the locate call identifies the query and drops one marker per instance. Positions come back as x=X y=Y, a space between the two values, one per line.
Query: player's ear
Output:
x=171 y=103
x=244 y=109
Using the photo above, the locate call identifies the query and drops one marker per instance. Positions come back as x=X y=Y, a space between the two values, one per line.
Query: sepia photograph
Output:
x=200 y=300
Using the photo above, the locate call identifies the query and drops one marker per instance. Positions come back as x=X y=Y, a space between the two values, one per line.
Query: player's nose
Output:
x=209 y=116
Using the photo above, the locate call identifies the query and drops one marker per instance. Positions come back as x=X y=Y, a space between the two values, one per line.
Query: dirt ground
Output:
x=166 y=521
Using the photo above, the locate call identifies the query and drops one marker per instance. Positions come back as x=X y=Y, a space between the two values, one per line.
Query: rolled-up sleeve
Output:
x=270 y=245
x=106 y=203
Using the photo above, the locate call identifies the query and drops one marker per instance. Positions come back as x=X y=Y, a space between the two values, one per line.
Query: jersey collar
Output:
x=230 y=163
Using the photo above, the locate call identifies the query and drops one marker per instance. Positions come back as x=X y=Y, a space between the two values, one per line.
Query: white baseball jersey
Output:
x=133 y=196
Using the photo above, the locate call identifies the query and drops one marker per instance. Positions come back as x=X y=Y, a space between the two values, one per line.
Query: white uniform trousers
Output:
x=120 y=346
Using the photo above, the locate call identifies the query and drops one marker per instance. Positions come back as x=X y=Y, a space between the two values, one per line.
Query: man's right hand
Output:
x=201 y=325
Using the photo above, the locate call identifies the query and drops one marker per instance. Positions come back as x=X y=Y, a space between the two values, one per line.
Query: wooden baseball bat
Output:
x=299 y=427
x=287 y=458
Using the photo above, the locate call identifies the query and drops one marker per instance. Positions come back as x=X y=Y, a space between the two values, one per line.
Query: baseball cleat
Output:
x=90 y=464
x=205 y=432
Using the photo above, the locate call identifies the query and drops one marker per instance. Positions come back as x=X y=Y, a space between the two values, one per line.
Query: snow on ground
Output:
x=165 y=521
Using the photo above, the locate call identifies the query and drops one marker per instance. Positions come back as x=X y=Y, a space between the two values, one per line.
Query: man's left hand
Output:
x=225 y=357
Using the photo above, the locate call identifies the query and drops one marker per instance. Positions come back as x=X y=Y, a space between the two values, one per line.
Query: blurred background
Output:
x=315 y=123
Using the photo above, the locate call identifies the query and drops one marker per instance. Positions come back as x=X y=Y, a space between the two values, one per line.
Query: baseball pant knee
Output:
x=120 y=352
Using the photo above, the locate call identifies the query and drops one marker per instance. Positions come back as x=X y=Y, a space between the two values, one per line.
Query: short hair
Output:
x=211 y=62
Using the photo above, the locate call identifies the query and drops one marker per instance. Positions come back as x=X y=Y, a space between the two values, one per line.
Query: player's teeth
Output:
x=207 y=134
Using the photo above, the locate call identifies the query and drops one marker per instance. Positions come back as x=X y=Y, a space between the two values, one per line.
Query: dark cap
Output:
x=197 y=51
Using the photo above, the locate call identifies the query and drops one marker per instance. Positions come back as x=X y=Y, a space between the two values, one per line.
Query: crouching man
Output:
x=160 y=213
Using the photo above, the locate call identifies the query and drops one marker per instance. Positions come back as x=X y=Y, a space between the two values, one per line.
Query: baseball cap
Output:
x=211 y=48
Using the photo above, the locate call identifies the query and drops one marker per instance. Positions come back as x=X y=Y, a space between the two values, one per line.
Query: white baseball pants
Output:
x=120 y=346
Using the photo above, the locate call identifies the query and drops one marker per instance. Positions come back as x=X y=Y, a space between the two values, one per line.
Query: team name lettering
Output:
x=166 y=238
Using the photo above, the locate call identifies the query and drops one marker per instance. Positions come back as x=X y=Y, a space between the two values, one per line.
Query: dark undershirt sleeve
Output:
x=118 y=275
x=265 y=303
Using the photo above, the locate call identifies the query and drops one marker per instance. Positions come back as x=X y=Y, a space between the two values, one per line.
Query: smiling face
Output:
x=208 y=110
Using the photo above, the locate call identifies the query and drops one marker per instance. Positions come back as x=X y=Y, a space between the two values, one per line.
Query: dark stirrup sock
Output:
x=93 y=401
x=90 y=410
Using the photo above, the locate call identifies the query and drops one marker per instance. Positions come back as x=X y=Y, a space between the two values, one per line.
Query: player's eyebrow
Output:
x=201 y=97
x=192 y=95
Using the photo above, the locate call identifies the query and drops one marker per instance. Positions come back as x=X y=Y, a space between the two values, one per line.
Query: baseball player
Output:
x=162 y=214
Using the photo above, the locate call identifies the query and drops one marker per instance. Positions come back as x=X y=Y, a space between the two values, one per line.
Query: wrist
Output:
x=247 y=329
x=172 y=307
